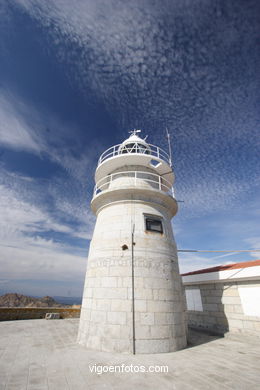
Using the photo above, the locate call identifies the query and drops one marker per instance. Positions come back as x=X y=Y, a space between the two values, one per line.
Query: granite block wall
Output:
x=107 y=307
x=223 y=308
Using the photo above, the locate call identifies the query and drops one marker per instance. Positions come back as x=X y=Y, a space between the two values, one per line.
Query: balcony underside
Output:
x=134 y=194
x=115 y=162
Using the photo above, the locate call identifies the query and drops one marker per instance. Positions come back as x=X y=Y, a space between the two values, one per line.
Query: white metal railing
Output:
x=153 y=180
x=153 y=151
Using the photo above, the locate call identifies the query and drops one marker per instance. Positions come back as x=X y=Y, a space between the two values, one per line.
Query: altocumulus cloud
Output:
x=190 y=66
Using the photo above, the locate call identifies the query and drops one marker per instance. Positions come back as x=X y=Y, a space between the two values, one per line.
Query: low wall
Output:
x=224 y=306
x=26 y=313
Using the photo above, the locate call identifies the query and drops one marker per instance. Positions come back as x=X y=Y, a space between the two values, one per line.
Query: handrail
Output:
x=161 y=183
x=152 y=150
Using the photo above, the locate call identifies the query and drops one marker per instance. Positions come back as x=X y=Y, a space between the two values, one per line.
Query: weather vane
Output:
x=134 y=132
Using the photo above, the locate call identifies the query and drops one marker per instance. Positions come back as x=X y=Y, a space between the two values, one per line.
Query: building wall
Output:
x=26 y=313
x=224 y=306
x=106 y=316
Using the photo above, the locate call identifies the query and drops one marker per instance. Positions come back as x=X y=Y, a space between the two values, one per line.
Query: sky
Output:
x=75 y=77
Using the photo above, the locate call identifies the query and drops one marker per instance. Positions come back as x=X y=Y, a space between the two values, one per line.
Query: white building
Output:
x=224 y=298
x=133 y=296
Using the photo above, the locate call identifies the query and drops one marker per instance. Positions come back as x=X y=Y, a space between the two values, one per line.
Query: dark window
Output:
x=153 y=224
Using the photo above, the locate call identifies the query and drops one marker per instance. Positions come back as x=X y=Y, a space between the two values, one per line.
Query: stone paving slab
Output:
x=43 y=355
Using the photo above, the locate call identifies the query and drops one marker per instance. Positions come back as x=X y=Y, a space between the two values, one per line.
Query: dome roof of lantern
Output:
x=134 y=138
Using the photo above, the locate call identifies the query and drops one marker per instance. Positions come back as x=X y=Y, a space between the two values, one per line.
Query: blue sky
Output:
x=75 y=77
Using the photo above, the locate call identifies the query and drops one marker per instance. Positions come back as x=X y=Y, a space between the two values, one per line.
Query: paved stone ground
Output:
x=41 y=355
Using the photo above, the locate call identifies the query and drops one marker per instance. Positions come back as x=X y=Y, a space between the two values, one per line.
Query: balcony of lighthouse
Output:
x=133 y=183
x=137 y=179
x=134 y=148
x=135 y=154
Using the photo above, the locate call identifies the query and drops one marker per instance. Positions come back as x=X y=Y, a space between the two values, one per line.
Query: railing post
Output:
x=158 y=152
x=160 y=183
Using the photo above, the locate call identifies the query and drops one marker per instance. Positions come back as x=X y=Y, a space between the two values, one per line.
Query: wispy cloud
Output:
x=25 y=248
x=14 y=131
x=254 y=242
x=26 y=219
x=21 y=214
x=26 y=128
x=41 y=262
x=157 y=67
x=189 y=262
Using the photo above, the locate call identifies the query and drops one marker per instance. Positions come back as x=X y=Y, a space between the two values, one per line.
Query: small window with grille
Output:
x=153 y=224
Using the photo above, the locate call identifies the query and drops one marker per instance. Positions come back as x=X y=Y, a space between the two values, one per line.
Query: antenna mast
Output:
x=169 y=146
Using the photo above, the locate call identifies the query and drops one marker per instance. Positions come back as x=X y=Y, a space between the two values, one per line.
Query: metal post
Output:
x=169 y=146
x=133 y=288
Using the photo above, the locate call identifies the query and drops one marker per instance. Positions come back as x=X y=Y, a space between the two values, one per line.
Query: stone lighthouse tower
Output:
x=133 y=297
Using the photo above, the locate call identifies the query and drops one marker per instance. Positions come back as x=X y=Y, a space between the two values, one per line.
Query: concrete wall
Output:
x=23 y=313
x=224 y=306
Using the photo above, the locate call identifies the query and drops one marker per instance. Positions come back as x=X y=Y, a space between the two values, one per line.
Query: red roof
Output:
x=225 y=267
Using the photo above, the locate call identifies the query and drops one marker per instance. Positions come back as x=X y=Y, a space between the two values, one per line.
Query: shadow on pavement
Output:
x=198 y=337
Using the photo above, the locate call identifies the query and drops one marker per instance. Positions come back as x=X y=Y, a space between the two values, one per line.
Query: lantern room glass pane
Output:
x=135 y=148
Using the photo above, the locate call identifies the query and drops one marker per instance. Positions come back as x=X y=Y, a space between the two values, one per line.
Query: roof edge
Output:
x=245 y=264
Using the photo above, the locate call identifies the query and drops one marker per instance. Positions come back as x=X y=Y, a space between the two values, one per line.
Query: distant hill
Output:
x=19 y=300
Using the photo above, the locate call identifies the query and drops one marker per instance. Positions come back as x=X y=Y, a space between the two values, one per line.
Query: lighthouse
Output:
x=133 y=300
